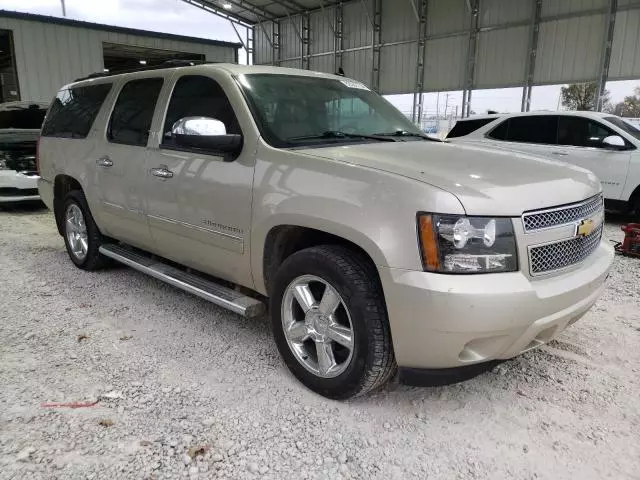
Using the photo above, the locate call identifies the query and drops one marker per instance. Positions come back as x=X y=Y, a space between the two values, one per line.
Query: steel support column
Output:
x=420 y=8
x=275 y=43
x=376 y=45
x=474 y=10
x=338 y=38
x=305 y=20
x=533 y=52
x=603 y=73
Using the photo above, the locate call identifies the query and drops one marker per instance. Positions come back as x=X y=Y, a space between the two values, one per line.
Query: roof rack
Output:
x=173 y=63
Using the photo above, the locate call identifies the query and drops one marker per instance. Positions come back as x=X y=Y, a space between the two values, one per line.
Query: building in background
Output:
x=39 y=54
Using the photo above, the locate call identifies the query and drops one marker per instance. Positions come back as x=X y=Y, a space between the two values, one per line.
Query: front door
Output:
x=120 y=164
x=199 y=205
x=580 y=143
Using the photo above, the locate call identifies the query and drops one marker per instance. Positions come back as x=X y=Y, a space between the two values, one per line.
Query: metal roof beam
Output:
x=241 y=5
x=218 y=13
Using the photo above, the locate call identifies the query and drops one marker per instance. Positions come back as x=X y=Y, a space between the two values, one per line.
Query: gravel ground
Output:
x=186 y=389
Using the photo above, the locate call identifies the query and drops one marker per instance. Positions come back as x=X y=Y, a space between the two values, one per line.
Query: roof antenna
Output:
x=340 y=72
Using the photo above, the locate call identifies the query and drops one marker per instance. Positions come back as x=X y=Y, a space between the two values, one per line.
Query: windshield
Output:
x=295 y=110
x=622 y=125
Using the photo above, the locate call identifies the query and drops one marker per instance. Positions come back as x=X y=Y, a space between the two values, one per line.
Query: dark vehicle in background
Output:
x=20 y=124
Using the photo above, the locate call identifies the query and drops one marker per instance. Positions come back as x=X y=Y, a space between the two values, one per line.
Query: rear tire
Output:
x=337 y=342
x=81 y=234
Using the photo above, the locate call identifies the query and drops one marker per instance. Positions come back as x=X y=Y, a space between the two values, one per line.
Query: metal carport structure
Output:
x=418 y=46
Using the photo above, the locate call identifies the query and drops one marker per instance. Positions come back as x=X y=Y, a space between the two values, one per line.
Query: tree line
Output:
x=582 y=96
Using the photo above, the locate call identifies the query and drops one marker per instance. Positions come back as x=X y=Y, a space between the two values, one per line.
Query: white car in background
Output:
x=603 y=143
x=20 y=124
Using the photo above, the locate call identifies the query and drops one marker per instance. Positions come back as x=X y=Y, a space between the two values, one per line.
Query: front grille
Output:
x=18 y=192
x=554 y=217
x=555 y=256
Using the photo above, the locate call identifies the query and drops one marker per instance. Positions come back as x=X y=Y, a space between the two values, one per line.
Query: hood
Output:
x=486 y=181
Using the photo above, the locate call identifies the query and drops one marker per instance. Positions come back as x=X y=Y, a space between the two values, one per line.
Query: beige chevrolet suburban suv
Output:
x=375 y=246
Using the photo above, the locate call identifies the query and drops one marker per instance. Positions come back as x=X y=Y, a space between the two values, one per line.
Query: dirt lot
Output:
x=186 y=389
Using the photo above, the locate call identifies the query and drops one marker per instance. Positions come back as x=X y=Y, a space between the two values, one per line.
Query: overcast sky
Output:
x=175 y=16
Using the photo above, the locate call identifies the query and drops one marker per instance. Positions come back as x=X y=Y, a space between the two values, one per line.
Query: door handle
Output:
x=104 y=162
x=162 y=172
x=562 y=154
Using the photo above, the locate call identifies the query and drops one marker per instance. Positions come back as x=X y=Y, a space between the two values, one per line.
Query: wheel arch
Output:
x=284 y=240
x=62 y=185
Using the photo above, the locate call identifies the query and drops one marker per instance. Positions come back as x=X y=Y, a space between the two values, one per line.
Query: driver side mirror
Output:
x=614 y=142
x=206 y=134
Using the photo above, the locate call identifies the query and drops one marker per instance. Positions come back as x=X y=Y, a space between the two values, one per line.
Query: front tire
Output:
x=81 y=234
x=330 y=322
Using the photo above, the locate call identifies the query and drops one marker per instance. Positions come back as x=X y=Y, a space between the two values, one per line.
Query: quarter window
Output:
x=133 y=112
x=198 y=96
x=74 y=110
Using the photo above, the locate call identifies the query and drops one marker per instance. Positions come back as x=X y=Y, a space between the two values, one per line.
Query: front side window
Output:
x=307 y=110
x=133 y=112
x=582 y=132
x=198 y=96
x=624 y=126
x=73 y=111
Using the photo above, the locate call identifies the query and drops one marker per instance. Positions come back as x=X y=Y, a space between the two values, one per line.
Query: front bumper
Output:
x=446 y=321
x=18 y=186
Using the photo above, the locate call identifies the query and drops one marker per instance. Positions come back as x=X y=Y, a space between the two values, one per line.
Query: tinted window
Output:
x=73 y=111
x=23 y=117
x=622 y=125
x=500 y=132
x=533 y=129
x=582 y=132
x=465 y=127
x=195 y=96
x=132 y=114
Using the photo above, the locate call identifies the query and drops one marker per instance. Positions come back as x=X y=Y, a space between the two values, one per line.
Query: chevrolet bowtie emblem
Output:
x=585 y=227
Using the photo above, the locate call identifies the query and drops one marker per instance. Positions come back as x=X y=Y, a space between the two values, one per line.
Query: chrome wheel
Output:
x=76 y=231
x=317 y=326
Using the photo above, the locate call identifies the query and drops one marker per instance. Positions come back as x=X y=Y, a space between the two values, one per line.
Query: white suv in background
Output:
x=600 y=142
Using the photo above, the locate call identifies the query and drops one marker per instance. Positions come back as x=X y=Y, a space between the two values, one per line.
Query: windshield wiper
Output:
x=339 y=134
x=404 y=133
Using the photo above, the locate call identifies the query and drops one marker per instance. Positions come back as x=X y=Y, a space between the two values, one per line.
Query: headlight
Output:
x=459 y=244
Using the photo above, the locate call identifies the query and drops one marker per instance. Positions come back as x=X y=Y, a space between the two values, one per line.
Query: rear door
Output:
x=120 y=162
x=580 y=142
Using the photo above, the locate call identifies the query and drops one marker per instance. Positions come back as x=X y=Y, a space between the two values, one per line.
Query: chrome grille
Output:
x=555 y=256
x=554 y=217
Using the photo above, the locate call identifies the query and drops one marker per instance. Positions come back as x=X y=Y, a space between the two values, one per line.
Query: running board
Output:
x=203 y=288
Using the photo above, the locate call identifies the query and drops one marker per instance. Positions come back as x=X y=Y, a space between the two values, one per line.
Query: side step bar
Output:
x=203 y=288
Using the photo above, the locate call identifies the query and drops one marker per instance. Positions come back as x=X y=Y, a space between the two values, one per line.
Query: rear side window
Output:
x=465 y=127
x=73 y=111
x=23 y=117
x=133 y=112
x=528 y=129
